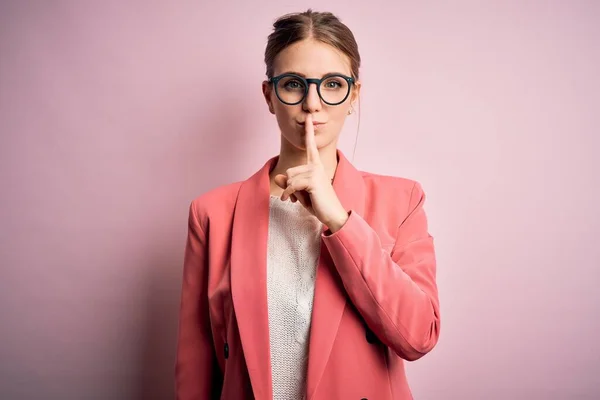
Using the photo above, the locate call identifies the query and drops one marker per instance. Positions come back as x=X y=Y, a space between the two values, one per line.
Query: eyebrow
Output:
x=304 y=76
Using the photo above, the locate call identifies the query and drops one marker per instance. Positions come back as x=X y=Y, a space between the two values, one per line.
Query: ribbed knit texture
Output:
x=294 y=243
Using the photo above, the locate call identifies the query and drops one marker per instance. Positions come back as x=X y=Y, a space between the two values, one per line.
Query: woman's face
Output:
x=310 y=59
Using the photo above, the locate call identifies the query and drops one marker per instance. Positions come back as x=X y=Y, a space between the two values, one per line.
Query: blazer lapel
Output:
x=330 y=297
x=249 y=278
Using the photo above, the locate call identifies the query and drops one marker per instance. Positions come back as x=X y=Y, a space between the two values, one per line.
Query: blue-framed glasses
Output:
x=292 y=89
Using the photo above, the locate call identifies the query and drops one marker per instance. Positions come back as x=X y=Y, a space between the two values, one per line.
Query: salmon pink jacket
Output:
x=375 y=302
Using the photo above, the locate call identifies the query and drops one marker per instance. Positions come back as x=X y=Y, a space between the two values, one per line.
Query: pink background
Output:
x=114 y=116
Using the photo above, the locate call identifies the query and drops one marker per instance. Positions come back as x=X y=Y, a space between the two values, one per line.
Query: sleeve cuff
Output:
x=329 y=234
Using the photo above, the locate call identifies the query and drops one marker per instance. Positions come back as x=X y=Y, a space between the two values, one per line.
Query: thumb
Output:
x=281 y=181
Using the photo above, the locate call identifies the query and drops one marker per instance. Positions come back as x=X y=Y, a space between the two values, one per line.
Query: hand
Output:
x=310 y=185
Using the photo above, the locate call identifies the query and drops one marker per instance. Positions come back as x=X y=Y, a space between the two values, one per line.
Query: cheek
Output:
x=339 y=115
x=287 y=124
x=285 y=115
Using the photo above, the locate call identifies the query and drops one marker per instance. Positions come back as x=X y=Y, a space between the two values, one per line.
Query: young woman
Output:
x=311 y=279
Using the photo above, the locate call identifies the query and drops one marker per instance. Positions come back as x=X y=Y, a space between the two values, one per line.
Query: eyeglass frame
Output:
x=307 y=81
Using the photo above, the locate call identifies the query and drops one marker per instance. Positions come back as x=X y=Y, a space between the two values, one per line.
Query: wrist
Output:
x=338 y=222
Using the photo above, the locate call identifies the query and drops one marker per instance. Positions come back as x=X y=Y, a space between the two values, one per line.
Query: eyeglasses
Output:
x=292 y=89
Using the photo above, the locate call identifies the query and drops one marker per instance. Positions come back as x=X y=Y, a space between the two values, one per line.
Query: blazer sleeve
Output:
x=195 y=365
x=396 y=293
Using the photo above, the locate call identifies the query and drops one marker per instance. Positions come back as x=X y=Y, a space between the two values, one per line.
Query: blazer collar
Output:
x=249 y=279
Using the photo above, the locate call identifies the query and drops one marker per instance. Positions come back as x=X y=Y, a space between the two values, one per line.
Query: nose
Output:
x=312 y=101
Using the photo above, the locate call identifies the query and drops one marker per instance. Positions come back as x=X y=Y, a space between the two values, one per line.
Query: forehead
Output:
x=312 y=59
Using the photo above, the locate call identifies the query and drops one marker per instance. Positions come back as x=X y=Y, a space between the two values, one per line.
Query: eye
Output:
x=293 y=84
x=334 y=84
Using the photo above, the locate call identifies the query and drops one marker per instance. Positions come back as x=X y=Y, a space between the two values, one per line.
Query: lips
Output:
x=315 y=123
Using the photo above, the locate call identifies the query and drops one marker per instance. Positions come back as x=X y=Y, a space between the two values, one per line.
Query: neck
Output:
x=290 y=157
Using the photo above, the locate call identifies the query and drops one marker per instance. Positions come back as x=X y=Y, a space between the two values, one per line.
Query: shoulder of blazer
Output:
x=387 y=185
x=392 y=196
x=217 y=203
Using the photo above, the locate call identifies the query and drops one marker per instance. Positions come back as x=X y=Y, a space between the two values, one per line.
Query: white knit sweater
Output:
x=293 y=250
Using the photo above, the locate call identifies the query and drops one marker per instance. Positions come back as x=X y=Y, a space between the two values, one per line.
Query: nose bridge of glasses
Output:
x=317 y=82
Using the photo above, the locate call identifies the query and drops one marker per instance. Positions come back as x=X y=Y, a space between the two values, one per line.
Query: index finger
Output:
x=312 y=152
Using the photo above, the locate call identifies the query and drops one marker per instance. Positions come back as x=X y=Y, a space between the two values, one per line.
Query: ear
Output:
x=355 y=92
x=267 y=89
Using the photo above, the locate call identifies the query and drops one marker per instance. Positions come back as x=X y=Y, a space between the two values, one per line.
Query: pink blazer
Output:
x=375 y=303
